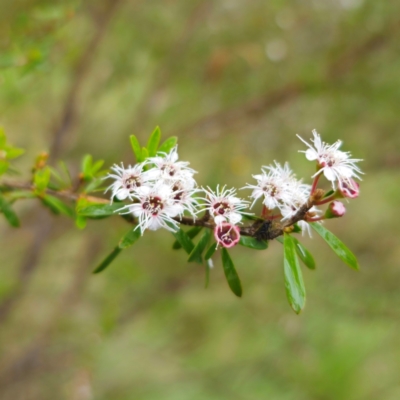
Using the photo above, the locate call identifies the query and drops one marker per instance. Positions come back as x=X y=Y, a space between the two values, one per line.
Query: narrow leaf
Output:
x=57 y=206
x=253 y=243
x=87 y=164
x=42 y=179
x=184 y=240
x=8 y=212
x=207 y=277
x=210 y=252
x=230 y=273
x=195 y=255
x=129 y=239
x=98 y=210
x=168 y=144
x=14 y=152
x=136 y=148
x=154 y=141
x=192 y=233
x=295 y=290
x=108 y=260
x=304 y=254
x=96 y=167
x=80 y=222
x=145 y=153
x=336 y=245
x=3 y=166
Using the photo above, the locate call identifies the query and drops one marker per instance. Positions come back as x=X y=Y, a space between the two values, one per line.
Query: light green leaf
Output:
x=136 y=148
x=3 y=166
x=99 y=210
x=295 y=290
x=80 y=222
x=57 y=206
x=145 y=153
x=42 y=179
x=195 y=255
x=6 y=209
x=230 y=273
x=108 y=260
x=96 y=167
x=129 y=239
x=3 y=139
x=14 y=152
x=336 y=245
x=153 y=142
x=304 y=254
x=168 y=144
x=87 y=164
x=253 y=243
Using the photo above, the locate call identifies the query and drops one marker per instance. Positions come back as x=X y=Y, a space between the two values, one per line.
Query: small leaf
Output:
x=210 y=252
x=136 y=148
x=295 y=290
x=99 y=210
x=96 y=167
x=153 y=142
x=304 y=254
x=57 y=206
x=80 y=222
x=253 y=243
x=336 y=245
x=145 y=153
x=195 y=255
x=168 y=144
x=108 y=260
x=129 y=239
x=14 y=152
x=3 y=166
x=94 y=184
x=230 y=273
x=8 y=212
x=192 y=233
x=3 y=139
x=184 y=240
x=87 y=164
x=42 y=179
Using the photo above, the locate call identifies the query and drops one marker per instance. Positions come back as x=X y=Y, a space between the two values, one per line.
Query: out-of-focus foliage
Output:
x=234 y=81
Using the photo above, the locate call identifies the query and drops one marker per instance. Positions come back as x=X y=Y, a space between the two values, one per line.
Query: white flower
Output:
x=224 y=206
x=275 y=184
x=182 y=196
x=169 y=169
x=335 y=164
x=155 y=208
x=126 y=181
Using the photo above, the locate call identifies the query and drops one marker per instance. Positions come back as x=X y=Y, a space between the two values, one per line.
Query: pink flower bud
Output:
x=349 y=189
x=227 y=235
x=335 y=209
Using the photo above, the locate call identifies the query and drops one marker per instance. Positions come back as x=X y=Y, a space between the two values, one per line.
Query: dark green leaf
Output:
x=195 y=255
x=336 y=245
x=136 y=148
x=296 y=228
x=153 y=142
x=295 y=290
x=8 y=212
x=129 y=239
x=230 y=273
x=253 y=243
x=210 y=251
x=108 y=260
x=57 y=206
x=184 y=240
x=304 y=254
x=192 y=233
x=99 y=210
x=168 y=144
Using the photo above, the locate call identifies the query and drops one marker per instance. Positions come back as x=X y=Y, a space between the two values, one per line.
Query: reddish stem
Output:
x=326 y=200
x=314 y=185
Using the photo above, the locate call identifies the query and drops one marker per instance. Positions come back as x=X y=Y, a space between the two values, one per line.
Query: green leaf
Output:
x=80 y=222
x=108 y=260
x=3 y=166
x=129 y=239
x=184 y=240
x=153 y=142
x=3 y=139
x=336 y=245
x=8 y=212
x=14 y=152
x=295 y=290
x=136 y=148
x=304 y=254
x=96 y=167
x=207 y=277
x=42 y=179
x=145 y=153
x=253 y=243
x=210 y=252
x=168 y=144
x=87 y=164
x=57 y=206
x=94 y=184
x=195 y=255
x=192 y=233
x=99 y=210
x=230 y=273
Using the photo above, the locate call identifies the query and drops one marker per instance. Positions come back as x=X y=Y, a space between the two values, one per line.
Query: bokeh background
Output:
x=235 y=81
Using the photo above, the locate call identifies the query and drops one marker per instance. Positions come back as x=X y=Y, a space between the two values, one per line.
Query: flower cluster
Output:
x=160 y=188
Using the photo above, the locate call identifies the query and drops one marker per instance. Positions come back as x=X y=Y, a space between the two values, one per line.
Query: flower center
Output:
x=169 y=169
x=132 y=181
x=221 y=208
x=227 y=235
x=153 y=205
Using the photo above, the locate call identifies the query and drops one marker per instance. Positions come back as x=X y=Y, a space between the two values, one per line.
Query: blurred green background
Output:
x=235 y=81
